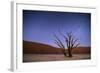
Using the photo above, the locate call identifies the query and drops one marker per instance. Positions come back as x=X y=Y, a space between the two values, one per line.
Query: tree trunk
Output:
x=69 y=52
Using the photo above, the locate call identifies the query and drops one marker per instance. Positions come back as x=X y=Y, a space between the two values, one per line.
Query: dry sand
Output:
x=53 y=57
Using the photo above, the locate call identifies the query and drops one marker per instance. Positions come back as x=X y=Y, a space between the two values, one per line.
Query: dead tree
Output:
x=70 y=41
x=60 y=44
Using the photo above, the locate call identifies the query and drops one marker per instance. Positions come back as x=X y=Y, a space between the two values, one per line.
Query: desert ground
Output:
x=37 y=52
x=53 y=57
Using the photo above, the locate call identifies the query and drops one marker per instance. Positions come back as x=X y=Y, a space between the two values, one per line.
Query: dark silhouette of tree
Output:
x=70 y=41
x=60 y=44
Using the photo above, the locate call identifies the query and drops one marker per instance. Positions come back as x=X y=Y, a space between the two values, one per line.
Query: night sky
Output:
x=39 y=26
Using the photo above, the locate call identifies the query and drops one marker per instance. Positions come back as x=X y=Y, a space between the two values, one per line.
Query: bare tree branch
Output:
x=58 y=44
x=59 y=41
x=70 y=41
x=77 y=45
x=74 y=42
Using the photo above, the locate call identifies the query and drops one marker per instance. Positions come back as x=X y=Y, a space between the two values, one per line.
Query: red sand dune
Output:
x=39 y=48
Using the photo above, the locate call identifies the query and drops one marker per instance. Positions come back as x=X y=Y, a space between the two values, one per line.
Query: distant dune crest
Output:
x=39 y=48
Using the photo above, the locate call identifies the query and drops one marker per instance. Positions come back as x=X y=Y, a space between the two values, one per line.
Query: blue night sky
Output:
x=39 y=26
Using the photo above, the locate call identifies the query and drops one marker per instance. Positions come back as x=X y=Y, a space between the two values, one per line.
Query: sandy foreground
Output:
x=53 y=57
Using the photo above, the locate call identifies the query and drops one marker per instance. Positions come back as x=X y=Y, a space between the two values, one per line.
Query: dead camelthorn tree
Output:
x=60 y=44
x=70 y=41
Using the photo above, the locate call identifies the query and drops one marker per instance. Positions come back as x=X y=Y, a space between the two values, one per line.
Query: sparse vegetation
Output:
x=71 y=43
